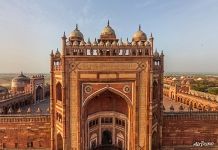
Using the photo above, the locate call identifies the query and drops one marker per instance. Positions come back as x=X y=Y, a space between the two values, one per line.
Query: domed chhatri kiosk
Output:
x=106 y=94
x=20 y=83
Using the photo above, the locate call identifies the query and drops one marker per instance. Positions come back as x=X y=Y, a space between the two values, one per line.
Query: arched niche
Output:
x=106 y=101
x=155 y=90
x=59 y=142
x=59 y=91
x=39 y=93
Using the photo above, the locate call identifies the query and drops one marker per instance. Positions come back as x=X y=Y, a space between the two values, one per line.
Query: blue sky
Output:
x=186 y=30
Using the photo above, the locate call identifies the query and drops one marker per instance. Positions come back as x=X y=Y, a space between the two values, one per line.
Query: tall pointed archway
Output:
x=106 y=114
x=39 y=93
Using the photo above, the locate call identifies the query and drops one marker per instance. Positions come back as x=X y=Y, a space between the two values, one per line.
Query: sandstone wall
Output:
x=25 y=131
x=186 y=131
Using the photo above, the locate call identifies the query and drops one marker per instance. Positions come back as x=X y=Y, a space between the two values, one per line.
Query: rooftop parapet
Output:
x=193 y=115
x=19 y=118
x=110 y=49
x=10 y=96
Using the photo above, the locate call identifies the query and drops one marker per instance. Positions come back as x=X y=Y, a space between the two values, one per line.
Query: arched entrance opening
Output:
x=154 y=141
x=39 y=93
x=47 y=94
x=59 y=142
x=106 y=114
x=106 y=138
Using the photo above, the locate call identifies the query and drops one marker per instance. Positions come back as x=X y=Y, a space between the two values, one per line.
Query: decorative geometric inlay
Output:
x=88 y=89
x=142 y=65
x=92 y=89
x=72 y=66
x=126 y=89
x=107 y=66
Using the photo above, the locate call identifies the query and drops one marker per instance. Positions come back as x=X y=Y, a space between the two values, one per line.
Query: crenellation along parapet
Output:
x=112 y=44
x=38 y=76
x=24 y=112
x=115 y=51
x=23 y=118
x=191 y=115
x=14 y=97
x=204 y=95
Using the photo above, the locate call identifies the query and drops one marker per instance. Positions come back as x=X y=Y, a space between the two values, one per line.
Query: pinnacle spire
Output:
x=76 y=26
x=139 y=27
x=52 y=52
x=108 y=23
x=121 y=41
x=162 y=52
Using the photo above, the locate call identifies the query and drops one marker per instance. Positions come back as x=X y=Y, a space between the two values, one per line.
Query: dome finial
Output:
x=76 y=35
x=139 y=35
x=57 y=51
x=162 y=53
x=139 y=27
x=52 y=53
x=108 y=23
x=108 y=33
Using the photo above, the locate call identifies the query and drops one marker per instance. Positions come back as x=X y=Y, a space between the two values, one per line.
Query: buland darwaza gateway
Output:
x=106 y=94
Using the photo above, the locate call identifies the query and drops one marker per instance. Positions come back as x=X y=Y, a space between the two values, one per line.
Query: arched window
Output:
x=59 y=91
x=120 y=140
x=93 y=141
x=155 y=90
x=59 y=142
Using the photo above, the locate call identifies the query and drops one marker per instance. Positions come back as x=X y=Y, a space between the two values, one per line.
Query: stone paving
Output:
x=43 y=105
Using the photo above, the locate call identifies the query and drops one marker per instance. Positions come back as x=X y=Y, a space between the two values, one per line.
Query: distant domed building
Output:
x=20 y=83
